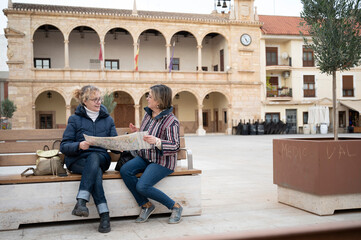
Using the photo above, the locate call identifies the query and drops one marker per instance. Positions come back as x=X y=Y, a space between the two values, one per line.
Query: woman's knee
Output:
x=143 y=188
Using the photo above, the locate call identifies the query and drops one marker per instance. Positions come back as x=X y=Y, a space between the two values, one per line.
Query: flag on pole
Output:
x=171 y=59
x=100 y=53
x=137 y=56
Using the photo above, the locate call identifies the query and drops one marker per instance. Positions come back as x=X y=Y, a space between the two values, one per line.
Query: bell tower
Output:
x=244 y=10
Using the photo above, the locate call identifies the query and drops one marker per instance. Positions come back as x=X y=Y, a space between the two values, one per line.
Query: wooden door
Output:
x=123 y=115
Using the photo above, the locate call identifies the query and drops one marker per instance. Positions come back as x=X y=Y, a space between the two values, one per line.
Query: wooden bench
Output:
x=36 y=199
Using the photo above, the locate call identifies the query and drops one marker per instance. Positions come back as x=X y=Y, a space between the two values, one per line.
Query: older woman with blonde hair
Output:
x=90 y=118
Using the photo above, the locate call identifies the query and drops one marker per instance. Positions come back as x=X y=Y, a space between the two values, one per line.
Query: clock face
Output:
x=246 y=39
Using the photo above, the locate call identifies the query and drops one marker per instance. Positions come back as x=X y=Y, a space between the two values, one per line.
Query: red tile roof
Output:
x=281 y=25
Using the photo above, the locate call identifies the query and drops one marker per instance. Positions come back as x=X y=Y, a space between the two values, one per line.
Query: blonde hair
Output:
x=84 y=93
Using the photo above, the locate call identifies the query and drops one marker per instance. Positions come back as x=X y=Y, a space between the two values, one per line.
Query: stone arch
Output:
x=38 y=25
x=184 y=51
x=172 y=33
x=215 y=111
x=152 y=50
x=124 y=112
x=215 y=52
x=48 y=47
x=81 y=57
x=185 y=103
x=50 y=109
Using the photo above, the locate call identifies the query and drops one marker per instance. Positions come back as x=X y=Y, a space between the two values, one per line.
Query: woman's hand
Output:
x=84 y=145
x=133 y=128
x=150 y=139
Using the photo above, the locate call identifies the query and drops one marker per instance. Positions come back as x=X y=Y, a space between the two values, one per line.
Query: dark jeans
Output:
x=91 y=168
x=142 y=188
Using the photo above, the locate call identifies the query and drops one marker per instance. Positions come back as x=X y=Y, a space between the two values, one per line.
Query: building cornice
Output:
x=51 y=10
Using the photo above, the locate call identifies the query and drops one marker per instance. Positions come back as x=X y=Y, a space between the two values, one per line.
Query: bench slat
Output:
x=24 y=147
x=31 y=134
x=17 y=178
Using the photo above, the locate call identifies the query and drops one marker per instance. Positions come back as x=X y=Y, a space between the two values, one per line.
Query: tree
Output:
x=335 y=30
x=108 y=102
x=7 y=108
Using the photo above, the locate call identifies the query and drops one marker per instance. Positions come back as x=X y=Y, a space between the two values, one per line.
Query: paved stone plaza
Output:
x=238 y=195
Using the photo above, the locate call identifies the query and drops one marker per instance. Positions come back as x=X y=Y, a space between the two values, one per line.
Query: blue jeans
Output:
x=142 y=188
x=91 y=167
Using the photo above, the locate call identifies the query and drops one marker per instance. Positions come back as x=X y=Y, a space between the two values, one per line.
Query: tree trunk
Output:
x=335 y=118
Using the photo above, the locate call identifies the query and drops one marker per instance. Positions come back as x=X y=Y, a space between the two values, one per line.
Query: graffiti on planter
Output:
x=338 y=150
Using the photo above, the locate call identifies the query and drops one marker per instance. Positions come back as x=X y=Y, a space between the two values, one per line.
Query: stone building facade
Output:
x=221 y=71
x=55 y=49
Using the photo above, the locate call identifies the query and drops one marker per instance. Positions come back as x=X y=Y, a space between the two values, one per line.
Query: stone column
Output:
x=168 y=55
x=136 y=113
x=34 y=115
x=200 y=130
x=66 y=53
x=199 y=58
x=67 y=112
x=229 y=120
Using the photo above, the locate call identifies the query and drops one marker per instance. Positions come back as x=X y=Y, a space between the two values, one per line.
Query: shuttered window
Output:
x=347 y=86
x=309 y=86
x=308 y=58
x=271 y=56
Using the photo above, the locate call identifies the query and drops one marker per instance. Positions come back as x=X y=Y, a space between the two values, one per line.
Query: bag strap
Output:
x=46 y=146
x=30 y=168
x=55 y=142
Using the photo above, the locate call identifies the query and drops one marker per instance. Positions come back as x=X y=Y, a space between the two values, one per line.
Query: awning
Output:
x=354 y=105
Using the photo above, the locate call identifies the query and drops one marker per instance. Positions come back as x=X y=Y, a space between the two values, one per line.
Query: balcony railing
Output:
x=118 y=75
x=283 y=92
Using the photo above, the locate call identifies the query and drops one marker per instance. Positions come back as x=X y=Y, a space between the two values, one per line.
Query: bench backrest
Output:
x=18 y=147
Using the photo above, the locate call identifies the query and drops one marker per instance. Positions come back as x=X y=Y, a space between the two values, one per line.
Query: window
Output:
x=308 y=60
x=225 y=116
x=272 y=87
x=271 y=56
x=205 y=119
x=272 y=117
x=305 y=117
x=42 y=63
x=46 y=121
x=309 y=86
x=111 y=64
x=342 y=119
x=175 y=65
x=347 y=86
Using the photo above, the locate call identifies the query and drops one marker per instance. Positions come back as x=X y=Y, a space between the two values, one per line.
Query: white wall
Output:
x=3 y=52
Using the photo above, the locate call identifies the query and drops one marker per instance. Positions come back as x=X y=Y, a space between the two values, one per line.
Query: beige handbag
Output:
x=48 y=162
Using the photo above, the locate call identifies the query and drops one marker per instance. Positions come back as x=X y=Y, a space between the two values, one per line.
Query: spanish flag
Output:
x=136 y=56
x=100 y=54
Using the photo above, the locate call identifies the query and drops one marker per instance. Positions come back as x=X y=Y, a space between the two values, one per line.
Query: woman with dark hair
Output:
x=158 y=162
x=90 y=118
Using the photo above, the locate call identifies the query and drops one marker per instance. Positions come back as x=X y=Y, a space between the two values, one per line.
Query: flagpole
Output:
x=136 y=58
x=171 y=59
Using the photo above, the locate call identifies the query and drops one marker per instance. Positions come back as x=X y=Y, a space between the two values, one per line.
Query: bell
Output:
x=219 y=3
x=224 y=4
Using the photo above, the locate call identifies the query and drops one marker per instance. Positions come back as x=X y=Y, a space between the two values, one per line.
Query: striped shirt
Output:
x=166 y=127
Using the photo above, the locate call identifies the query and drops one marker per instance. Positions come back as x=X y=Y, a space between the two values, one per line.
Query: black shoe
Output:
x=104 y=226
x=80 y=208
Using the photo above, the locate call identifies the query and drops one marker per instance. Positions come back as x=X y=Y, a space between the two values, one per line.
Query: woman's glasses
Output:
x=96 y=100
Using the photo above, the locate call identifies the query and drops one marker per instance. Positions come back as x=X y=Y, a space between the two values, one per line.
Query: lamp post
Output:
x=222 y=7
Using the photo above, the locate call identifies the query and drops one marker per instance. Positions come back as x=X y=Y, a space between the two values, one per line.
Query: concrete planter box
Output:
x=318 y=175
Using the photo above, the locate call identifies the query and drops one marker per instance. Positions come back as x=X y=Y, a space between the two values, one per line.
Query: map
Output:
x=128 y=142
